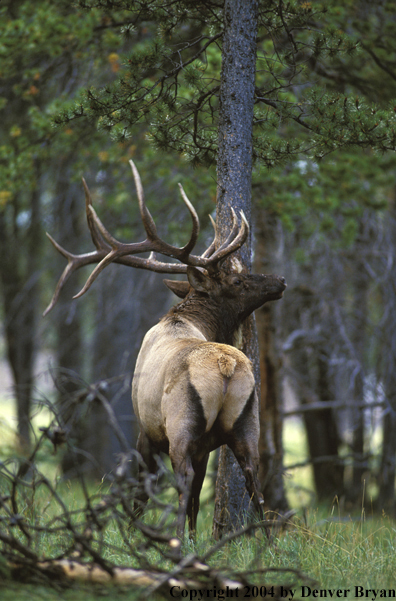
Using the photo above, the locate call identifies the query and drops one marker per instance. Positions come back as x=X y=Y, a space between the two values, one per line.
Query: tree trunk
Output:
x=323 y=438
x=309 y=362
x=386 y=500
x=268 y=325
x=360 y=344
x=234 y=170
x=129 y=303
x=19 y=278
x=67 y=318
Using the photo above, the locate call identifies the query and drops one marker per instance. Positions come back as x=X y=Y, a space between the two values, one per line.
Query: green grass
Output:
x=8 y=423
x=299 y=483
x=334 y=549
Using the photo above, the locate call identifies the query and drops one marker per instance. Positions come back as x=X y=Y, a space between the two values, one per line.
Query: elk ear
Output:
x=198 y=280
x=181 y=289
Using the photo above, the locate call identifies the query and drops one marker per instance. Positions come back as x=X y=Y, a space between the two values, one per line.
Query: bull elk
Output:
x=192 y=390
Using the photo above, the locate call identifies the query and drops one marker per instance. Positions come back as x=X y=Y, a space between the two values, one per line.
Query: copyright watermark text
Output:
x=264 y=592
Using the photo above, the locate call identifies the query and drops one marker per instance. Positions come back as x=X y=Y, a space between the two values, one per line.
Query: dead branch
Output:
x=33 y=507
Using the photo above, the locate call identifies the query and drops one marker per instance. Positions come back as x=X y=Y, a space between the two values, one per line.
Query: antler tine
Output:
x=231 y=245
x=109 y=258
x=211 y=248
x=233 y=232
x=74 y=262
x=64 y=277
x=195 y=220
x=96 y=238
x=112 y=242
x=147 y=219
x=117 y=252
x=66 y=273
x=150 y=227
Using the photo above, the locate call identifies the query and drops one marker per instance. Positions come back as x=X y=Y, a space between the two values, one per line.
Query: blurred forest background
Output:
x=84 y=87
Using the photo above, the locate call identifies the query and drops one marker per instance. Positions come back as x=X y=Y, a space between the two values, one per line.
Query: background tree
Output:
x=35 y=164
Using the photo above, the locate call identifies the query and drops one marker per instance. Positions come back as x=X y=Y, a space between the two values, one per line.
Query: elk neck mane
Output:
x=209 y=315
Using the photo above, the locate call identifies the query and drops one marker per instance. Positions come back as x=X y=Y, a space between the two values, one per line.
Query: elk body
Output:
x=192 y=390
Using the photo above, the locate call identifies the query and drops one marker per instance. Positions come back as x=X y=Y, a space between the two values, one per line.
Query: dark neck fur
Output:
x=215 y=320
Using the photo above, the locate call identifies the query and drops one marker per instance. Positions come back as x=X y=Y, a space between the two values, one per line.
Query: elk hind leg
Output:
x=147 y=465
x=184 y=431
x=184 y=472
x=243 y=441
x=246 y=453
x=193 y=503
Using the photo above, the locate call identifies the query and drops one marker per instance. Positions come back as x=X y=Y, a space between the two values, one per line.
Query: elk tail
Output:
x=227 y=365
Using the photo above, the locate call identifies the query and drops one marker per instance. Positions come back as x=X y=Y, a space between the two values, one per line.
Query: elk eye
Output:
x=237 y=282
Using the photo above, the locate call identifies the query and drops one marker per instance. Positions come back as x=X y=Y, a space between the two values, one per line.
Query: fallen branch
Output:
x=32 y=507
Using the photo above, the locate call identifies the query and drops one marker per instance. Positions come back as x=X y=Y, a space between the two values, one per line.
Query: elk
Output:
x=192 y=390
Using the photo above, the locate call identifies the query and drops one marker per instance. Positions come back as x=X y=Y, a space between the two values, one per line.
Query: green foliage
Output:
x=158 y=64
x=41 y=43
x=68 y=47
x=316 y=97
x=170 y=82
x=312 y=195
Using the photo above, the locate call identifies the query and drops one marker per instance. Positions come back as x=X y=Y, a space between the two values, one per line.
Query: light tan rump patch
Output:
x=227 y=365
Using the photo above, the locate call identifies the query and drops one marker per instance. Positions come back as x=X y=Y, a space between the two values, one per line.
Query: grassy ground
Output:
x=355 y=554
x=336 y=553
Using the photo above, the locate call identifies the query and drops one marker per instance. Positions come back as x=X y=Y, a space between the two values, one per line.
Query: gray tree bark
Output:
x=234 y=171
x=268 y=258
x=19 y=274
x=129 y=303
x=361 y=343
x=68 y=217
x=387 y=471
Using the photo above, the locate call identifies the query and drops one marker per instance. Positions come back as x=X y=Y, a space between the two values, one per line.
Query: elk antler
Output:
x=109 y=250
